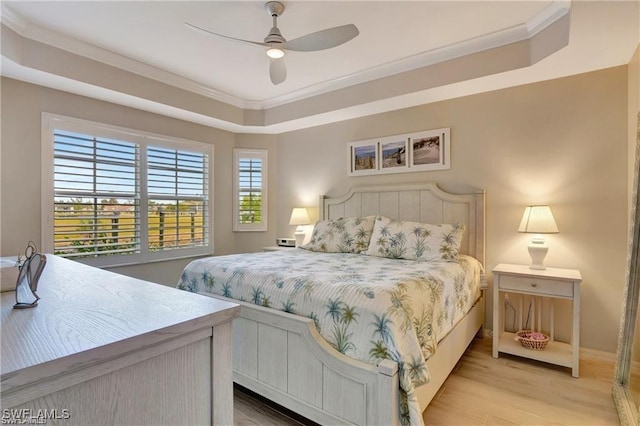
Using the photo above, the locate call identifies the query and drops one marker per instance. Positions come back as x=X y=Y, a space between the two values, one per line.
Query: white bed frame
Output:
x=283 y=357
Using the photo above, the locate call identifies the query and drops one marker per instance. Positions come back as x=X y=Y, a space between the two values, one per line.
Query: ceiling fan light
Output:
x=275 y=53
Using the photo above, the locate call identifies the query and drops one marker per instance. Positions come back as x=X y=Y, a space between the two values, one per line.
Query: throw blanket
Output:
x=369 y=308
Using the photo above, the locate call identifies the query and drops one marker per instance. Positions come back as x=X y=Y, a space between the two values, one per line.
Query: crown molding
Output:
x=43 y=35
x=516 y=33
x=548 y=16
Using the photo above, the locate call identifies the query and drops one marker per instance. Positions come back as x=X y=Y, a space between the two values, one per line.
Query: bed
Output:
x=350 y=374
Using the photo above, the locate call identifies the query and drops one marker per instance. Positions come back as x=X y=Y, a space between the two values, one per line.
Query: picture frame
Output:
x=394 y=154
x=430 y=150
x=412 y=152
x=363 y=158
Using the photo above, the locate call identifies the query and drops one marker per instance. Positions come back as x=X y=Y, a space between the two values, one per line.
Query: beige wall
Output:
x=22 y=108
x=561 y=142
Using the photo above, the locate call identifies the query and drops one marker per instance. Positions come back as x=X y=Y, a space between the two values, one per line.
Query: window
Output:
x=250 y=186
x=120 y=196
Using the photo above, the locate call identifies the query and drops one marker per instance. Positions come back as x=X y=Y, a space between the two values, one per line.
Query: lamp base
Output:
x=538 y=251
x=299 y=235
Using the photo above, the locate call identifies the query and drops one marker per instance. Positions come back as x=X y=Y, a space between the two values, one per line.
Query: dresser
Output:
x=539 y=287
x=105 y=349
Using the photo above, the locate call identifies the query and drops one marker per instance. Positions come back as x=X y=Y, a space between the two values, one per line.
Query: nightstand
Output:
x=277 y=248
x=539 y=285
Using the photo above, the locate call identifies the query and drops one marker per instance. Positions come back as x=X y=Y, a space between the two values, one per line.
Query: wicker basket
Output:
x=537 y=344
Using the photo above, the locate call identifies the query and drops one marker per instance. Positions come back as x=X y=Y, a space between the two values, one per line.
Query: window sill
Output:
x=139 y=261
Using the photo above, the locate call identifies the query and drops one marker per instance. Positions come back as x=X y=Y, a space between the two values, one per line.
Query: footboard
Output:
x=283 y=358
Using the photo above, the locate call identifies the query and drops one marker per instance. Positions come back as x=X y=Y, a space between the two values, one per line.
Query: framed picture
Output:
x=363 y=158
x=394 y=154
x=411 y=152
x=429 y=150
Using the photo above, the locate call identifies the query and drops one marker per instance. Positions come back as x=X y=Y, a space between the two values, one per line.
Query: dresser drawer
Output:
x=533 y=285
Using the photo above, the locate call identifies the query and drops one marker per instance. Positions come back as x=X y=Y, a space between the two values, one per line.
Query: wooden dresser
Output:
x=102 y=348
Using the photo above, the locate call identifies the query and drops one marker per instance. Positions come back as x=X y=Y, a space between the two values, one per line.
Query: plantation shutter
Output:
x=177 y=188
x=250 y=185
x=250 y=190
x=117 y=196
x=96 y=201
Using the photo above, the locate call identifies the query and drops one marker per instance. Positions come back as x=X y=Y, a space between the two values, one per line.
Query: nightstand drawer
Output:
x=537 y=286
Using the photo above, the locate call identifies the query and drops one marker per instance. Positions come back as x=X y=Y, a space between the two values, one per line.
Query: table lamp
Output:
x=299 y=217
x=538 y=220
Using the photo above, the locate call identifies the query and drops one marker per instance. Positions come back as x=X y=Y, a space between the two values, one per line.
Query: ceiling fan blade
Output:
x=224 y=36
x=325 y=39
x=277 y=71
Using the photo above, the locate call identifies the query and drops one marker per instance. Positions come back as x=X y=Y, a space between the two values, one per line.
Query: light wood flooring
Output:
x=487 y=391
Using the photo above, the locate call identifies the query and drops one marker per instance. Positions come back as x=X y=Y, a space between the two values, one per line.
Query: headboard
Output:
x=420 y=202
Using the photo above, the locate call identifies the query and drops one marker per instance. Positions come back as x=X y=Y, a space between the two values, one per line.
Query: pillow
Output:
x=415 y=241
x=341 y=235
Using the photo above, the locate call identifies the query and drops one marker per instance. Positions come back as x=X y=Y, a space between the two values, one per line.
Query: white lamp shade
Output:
x=538 y=220
x=299 y=216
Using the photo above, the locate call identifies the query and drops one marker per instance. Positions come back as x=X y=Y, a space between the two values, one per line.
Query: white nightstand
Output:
x=277 y=248
x=550 y=283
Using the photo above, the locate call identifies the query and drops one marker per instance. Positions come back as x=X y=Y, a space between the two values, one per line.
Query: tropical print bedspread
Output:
x=369 y=308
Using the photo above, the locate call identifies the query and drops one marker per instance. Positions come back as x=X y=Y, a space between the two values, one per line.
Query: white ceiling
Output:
x=394 y=36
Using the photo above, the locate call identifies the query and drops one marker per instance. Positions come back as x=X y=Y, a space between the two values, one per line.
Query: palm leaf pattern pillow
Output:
x=342 y=235
x=415 y=241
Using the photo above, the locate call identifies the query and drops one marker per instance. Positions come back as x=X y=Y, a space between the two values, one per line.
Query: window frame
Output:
x=51 y=122
x=261 y=154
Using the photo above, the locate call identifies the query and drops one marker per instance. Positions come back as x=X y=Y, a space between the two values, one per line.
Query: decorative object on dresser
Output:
x=300 y=218
x=30 y=267
x=106 y=349
x=537 y=287
x=538 y=220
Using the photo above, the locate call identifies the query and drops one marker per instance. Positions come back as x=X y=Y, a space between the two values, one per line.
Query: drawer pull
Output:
x=534 y=285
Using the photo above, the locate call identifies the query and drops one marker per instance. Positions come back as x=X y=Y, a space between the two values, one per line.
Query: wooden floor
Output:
x=487 y=391
x=515 y=391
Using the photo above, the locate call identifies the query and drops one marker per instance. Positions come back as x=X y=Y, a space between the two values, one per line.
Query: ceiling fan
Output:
x=276 y=44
